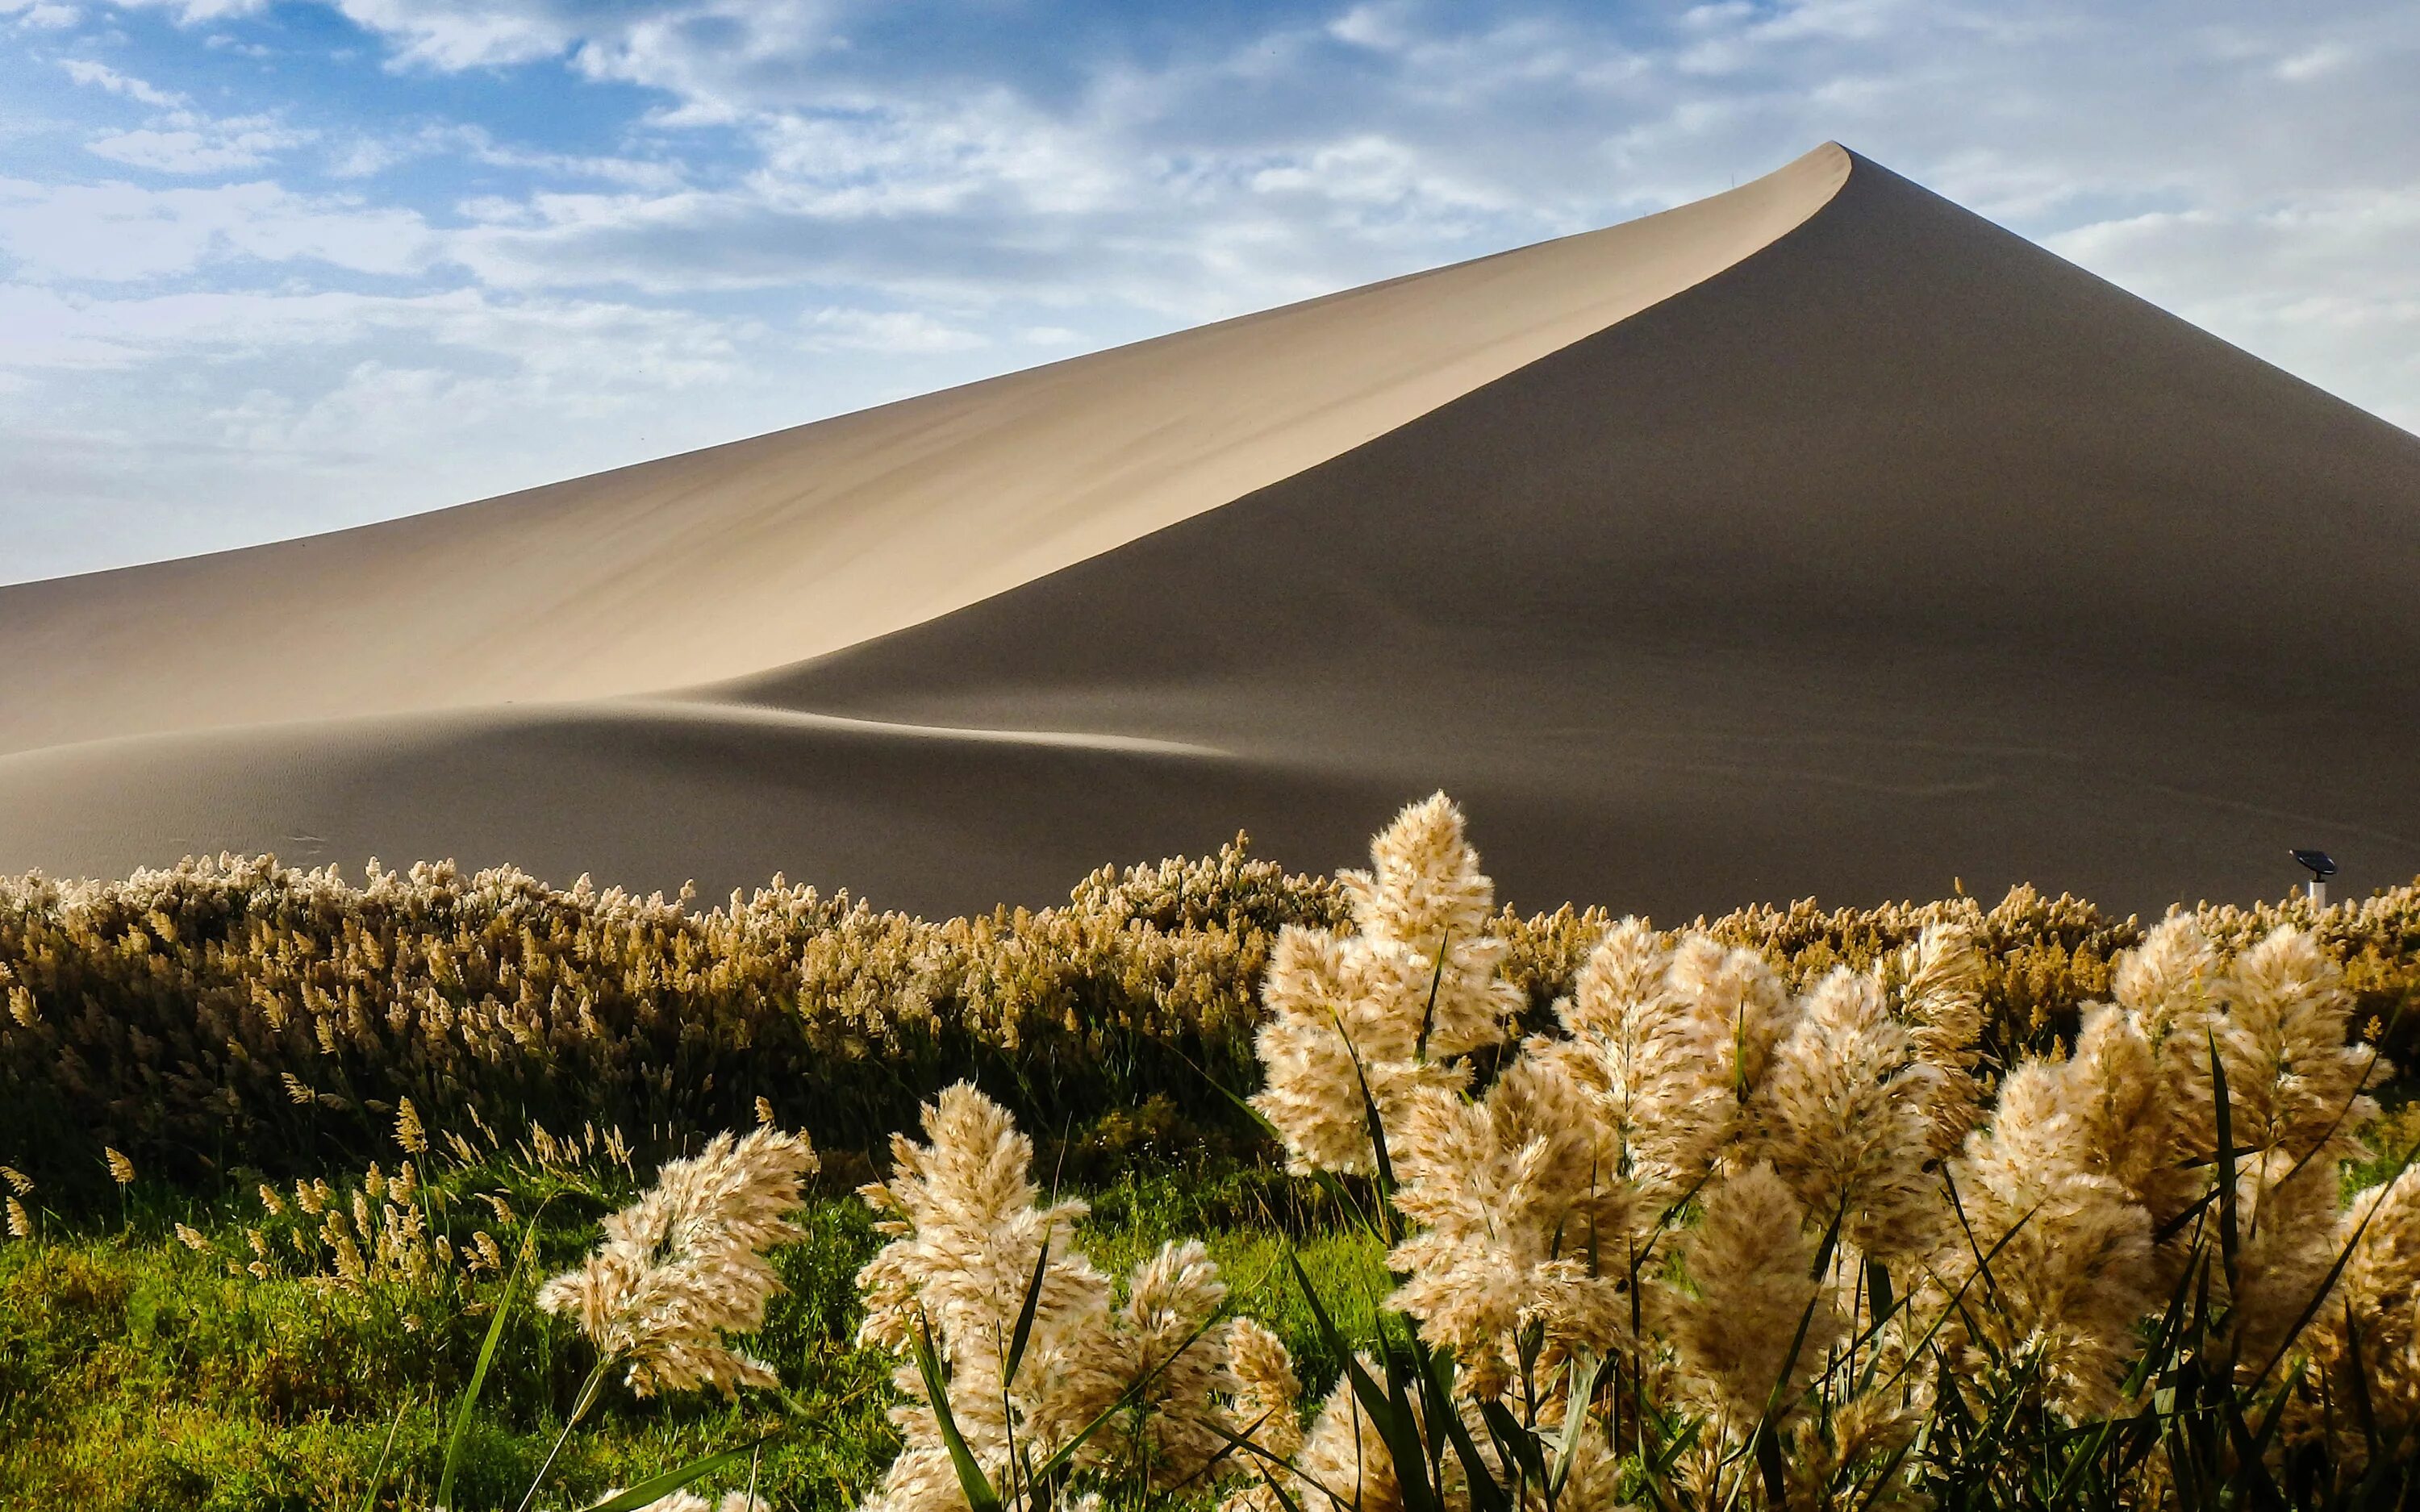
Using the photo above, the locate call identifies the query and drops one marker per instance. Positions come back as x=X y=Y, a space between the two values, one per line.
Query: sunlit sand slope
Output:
x=1895 y=551
x=728 y=561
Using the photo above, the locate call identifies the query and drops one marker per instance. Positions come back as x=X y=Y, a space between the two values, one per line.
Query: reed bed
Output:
x=1715 y=1240
x=230 y=1011
x=233 y=1012
x=1452 y=1209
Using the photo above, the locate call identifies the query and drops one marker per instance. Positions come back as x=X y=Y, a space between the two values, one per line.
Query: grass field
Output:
x=137 y=1373
x=273 y=1143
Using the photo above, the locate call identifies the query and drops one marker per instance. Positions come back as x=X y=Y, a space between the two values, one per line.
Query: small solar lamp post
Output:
x=2321 y=868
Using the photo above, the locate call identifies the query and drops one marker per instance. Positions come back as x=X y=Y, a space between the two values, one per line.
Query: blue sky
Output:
x=270 y=268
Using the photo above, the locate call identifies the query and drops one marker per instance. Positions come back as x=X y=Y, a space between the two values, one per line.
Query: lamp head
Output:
x=2321 y=865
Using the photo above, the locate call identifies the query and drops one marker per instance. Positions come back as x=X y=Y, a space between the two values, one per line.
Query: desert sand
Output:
x=1817 y=538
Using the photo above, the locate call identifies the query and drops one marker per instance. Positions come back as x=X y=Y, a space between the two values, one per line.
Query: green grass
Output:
x=135 y=1373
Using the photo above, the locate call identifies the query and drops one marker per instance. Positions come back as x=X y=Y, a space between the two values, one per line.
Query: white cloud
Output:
x=311 y=405
x=181 y=140
x=365 y=156
x=889 y=209
x=634 y=172
x=42 y=17
x=101 y=76
x=199 y=12
x=886 y=330
x=1385 y=29
x=203 y=147
x=117 y=232
x=462 y=33
x=362 y=157
x=2313 y=62
x=2327 y=284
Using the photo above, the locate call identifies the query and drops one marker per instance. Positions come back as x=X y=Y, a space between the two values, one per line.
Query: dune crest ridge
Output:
x=722 y=562
x=1821 y=538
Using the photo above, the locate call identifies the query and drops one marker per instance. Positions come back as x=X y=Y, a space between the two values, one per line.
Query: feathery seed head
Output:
x=1940 y=999
x=1738 y=992
x=1425 y=894
x=1268 y=1394
x=1339 y=1030
x=1423 y=886
x=1750 y=1259
x=2370 y=1321
x=2170 y=981
x=408 y=1132
x=2111 y=1089
x=1847 y=1113
x=2293 y=1079
x=1168 y=1339
x=2288 y=1222
x=1380 y=1014
x=970 y=1243
x=1521 y=1222
x=1344 y=1465
x=685 y=1265
x=1657 y=1035
x=1623 y=978
x=2071 y=1271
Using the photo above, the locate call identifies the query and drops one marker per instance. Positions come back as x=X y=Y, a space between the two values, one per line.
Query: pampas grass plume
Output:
x=685 y=1265
x=1848 y=1117
x=1749 y=1262
x=1380 y=1014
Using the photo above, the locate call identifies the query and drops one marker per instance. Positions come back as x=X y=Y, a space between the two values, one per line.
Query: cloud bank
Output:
x=268 y=270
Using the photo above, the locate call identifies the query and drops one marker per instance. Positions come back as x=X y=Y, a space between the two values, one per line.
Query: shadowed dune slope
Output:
x=1895 y=552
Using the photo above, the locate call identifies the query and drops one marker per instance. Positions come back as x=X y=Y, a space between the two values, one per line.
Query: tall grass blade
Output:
x=1767 y=1437
x=1770 y=1465
x=1376 y=1124
x=377 y=1472
x=656 y=1488
x=1024 y=1330
x=977 y=1486
x=1389 y=1409
x=2228 y=1239
x=460 y=1433
x=1436 y=1388
x=1260 y=1119
x=1428 y=1015
x=1517 y=1443
x=1285 y=1501
x=1263 y=1460
x=1585 y=1369
x=2364 y=1411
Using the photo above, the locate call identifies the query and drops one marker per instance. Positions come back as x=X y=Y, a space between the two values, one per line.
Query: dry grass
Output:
x=233 y=1012
x=1925 y=1204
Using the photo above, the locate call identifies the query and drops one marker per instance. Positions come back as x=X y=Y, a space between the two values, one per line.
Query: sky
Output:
x=268 y=269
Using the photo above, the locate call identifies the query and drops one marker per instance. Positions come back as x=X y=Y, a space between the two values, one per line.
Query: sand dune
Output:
x=1819 y=537
x=725 y=561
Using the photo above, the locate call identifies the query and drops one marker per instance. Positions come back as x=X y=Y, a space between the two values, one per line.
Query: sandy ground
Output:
x=1818 y=538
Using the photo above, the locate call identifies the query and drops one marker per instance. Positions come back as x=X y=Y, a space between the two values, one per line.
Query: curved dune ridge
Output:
x=1819 y=537
x=725 y=561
